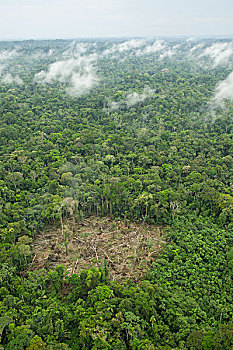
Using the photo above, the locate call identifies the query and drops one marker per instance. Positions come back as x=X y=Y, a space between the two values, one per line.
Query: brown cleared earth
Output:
x=127 y=248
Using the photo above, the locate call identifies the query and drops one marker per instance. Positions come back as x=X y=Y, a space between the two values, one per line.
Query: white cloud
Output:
x=219 y=52
x=170 y=52
x=10 y=79
x=224 y=90
x=82 y=82
x=134 y=98
x=114 y=105
x=6 y=54
x=76 y=49
x=159 y=45
x=196 y=47
x=78 y=73
x=129 y=45
x=191 y=39
x=58 y=71
x=125 y=46
x=51 y=52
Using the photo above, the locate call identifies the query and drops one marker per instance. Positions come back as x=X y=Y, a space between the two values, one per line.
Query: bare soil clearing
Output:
x=127 y=248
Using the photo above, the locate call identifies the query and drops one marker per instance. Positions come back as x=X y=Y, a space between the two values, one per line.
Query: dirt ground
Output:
x=127 y=248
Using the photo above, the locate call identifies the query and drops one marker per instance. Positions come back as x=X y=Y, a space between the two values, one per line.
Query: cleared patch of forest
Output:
x=126 y=248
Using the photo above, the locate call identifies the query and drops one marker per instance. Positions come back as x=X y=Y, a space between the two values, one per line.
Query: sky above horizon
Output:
x=38 y=19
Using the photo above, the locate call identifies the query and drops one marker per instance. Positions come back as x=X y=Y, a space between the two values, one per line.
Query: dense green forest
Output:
x=138 y=131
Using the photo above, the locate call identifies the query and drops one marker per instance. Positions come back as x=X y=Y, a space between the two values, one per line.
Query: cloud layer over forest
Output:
x=78 y=65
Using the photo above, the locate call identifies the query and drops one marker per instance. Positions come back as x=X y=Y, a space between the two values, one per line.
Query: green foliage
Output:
x=36 y=344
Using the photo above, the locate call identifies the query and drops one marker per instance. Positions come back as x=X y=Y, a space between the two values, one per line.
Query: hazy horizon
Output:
x=77 y=19
x=116 y=37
